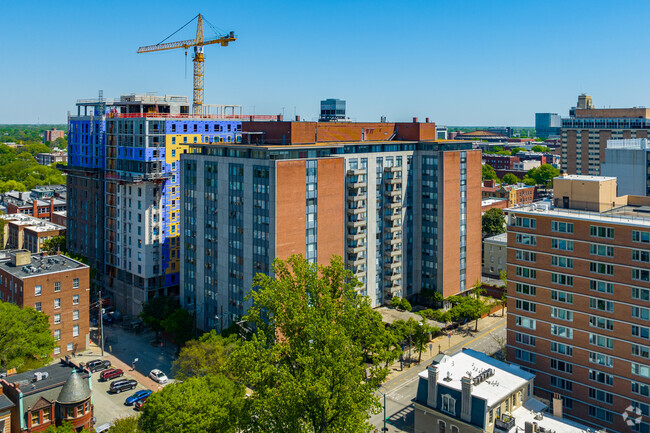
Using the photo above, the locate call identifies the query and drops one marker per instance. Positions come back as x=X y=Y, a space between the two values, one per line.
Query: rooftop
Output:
x=533 y=411
x=629 y=144
x=507 y=378
x=624 y=215
x=501 y=239
x=491 y=201
x=585 y=178
x=33 y=223
x=57 y=375
x=40 y=265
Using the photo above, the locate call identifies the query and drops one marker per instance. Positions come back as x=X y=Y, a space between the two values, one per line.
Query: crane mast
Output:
x=198 y=60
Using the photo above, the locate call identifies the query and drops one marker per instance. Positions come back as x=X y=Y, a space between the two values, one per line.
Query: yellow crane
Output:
x=198 y=44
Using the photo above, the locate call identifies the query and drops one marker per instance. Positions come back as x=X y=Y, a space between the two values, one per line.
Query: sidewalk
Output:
x=444 y=344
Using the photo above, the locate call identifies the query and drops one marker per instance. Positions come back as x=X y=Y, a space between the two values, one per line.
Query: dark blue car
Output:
x=137 y=397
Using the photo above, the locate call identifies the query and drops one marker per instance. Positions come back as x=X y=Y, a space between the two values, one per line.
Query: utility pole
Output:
x=100 y=307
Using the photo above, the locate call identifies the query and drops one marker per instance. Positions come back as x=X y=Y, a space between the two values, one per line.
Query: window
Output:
x=601 y=232
x=528 y=223
x=641 y=351
x=57 y=319
x=448 y=404
x=561 y=244
x=600 y=377
x=601 y=250
x=37 y=290
x=563 y=366
x=601 y=286
x=641 y=331
x=75 y=299
x=57 y=286
x=562 y=262
x=562 y=349
x=524 y=355
x=525 y=289
x=57 y=303
x=600 y=395
x=526 y=339
x=641 y=256
x=75 y=315
x=642 y=237
x=525 y=256
x=70 y=347
x=641 y=370
x=36 y=418
x=525 y=322
x=601 y=359
x=601 y=304
x=562 y=331
x=641 y=274
x=641 y=313
x=642 y=294
x=75 y=331
x=57 y=350
x=442 y=427
x=600 y=413
x=562 y=279
x=640 y=388
x=564 y=384
x=37 y=306
x=526 y=272
x=601 y=322
x=560 y=296
x=601 y=268
x=561 y=227
x=526 y=239
x=57 y=334
x=75 y=283
x=526 y=306
x=46 y=414
x=562 y=314
x=601 y=341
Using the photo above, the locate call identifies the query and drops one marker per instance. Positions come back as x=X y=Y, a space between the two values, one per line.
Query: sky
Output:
x=458 y=62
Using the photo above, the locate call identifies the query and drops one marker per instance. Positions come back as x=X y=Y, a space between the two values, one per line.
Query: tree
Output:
x=422 y=336
x=54 y=245
x=305 y=360
x=516 y=150
x=206 y=356
x=61 y=143
x=543 y=174
x=503 y=276
x=540 y=148
x=488 y=172
x=529 y=181
x=155 y=310
x=400 y=303
x=126 y=425
x=493 y=222
x=12 y=185
x=181 y=325
x=66 y=427
x=199 y=404
x=509 y=179
x=432 y=297
x=26 y=340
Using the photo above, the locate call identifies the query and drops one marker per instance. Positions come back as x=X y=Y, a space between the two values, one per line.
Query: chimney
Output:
x=557 y=405
x=35 y=208
x=415 y=120
x=297 y=118
x=426 y=120
x=489 y=183
x=280 y=117
x=466 y=399
x=51 y=208
x=21 y=258
x=432 y=386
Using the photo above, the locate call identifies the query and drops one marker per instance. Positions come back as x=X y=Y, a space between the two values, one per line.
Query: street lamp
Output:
x=384 y=428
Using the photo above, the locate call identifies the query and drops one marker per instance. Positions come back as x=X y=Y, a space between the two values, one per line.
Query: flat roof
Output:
x=507 y=378
x=33 y=223
x=489 y=201
x=624 y=215
x=533 y=407
x=41 y=265
x=501 y=239
x=585 y=178
x=57 y=374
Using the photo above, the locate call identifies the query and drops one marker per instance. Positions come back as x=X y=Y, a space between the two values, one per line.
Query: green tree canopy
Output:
x=66 y=427
x=54 y=245
x=493 y=222
x=181 y=325
x=543 y=174
x=306 y=359
x=516 y=150
x=509 y=179
x=26 y=340
x=126 y=425
x=540 y=148
x=206 y=356
x=529 y=181
x=158 y=309
x=197 y=405
x=488 y=172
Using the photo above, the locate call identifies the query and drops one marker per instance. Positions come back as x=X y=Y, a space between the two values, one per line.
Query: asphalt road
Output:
x=401 y=390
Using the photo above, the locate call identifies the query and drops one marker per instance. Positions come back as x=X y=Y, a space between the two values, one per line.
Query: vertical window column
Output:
x=311 y=210
x=463 y=220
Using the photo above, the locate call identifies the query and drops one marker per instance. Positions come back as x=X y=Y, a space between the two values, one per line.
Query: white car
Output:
x=158 y=376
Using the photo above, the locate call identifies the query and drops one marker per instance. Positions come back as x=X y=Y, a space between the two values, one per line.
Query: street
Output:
x=401 y=388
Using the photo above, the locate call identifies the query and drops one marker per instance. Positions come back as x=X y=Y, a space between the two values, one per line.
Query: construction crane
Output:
x=198 y=44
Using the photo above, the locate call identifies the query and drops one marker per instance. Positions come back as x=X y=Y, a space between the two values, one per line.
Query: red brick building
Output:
x=57 y=286
x=52 y=135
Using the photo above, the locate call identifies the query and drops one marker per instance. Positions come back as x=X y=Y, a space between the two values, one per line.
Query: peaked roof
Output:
x=41 y=403
x=74 y=390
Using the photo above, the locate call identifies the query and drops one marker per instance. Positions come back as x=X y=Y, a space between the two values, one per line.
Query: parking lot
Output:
x=109 y=407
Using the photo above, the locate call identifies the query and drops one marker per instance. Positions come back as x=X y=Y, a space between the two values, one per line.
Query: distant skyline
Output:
x=460 y=62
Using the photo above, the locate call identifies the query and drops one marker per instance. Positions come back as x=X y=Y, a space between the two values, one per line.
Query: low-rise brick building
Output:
x=56 y=285
x=26 y=232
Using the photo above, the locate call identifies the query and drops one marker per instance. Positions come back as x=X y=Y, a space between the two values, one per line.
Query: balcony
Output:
x=393 y=180
x=393 y=276
x=395 y=204
x=393 y=193
x=504 y=423
x=392 y=252
x=393 y=264
x=393 y=216
x=392 y=169
x=356 y=236
x=357 y=172
x=354 y=249
x=393 y=229
x=357 y=197
x=357 y=184
x=358 y=261
x=357 y=210
x=356 y=223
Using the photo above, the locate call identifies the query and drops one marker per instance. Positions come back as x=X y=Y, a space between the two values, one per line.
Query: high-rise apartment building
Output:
x=56 y=285
x=579 y=300
x=124 y=188
x=332 y=110
x=586 y=131
x=548 y=125
x=629 y=162
x=402 y=209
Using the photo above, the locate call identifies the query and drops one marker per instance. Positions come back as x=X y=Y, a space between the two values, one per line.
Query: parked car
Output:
x=138 y=404
x=103 y=428
x=111 y=374
x=98 y=365
x=158 y=376
x=136 y=397
x=122 y=385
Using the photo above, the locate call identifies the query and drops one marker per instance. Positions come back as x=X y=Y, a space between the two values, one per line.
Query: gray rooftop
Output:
x=501 y=239
x=74 y=390
x=40 y=265
x=57 y=375
x=5 y=403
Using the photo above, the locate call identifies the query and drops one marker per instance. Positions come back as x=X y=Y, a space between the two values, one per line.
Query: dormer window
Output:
x=448 y=404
